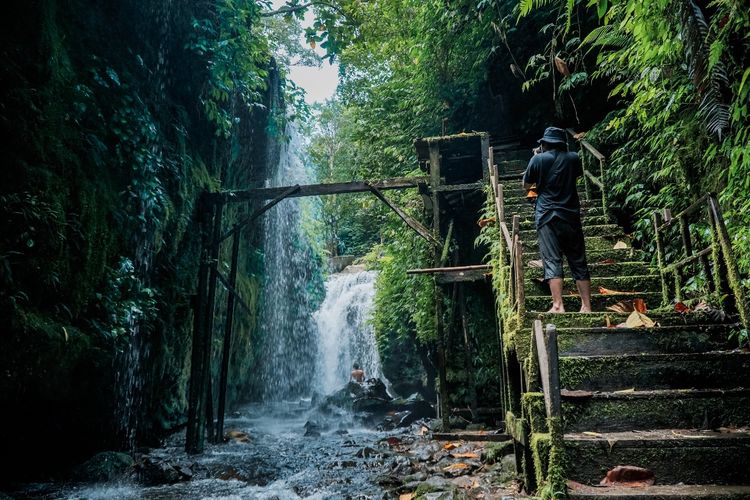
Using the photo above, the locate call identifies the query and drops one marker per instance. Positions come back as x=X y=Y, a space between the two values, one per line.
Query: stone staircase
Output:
x=673 y=399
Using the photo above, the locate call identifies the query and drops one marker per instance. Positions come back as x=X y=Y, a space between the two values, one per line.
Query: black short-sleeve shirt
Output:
x=555 y=173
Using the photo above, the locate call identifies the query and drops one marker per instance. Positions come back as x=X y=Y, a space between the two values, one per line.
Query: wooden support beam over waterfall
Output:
x=268 y=193
x=456 y=274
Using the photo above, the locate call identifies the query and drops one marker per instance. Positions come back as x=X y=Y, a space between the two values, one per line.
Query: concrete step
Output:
x=602 y=269
x=658 y=409
x=592 y=242
x=706 y=370
x=651 y=282
x=599 y=319
x=673 y=455
x=605 y=230
x=644 y=410
x=586 y=220
x=599 y=302
x=604 y=341
x=659 y=492
x=593 y=255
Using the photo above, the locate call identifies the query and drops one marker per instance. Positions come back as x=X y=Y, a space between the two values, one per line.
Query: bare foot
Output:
x=556 y=309
x=585 y=309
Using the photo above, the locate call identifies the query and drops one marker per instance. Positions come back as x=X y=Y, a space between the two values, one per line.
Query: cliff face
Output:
x=107 y=144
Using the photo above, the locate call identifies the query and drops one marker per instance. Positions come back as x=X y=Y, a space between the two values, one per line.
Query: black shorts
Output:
x=560 y=237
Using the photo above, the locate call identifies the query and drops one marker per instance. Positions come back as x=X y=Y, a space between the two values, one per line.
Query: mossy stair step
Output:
x=708 y=370
x=650 y=282
x=593 y=243
x=604 y=341
x=519 y=204
x=599 y=302
x=673 y=455
x=646 y=410
x=593 y=220
x=601 y=269
x=659 y=492
x=604 y=230
x=593 y=255
x=600 y=318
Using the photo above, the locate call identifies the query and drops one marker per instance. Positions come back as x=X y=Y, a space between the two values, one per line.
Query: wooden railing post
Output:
x=660 y=259
x=731 y=264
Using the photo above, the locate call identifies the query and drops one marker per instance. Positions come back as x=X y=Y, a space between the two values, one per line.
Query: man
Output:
x=552 y=172
x=358 y=375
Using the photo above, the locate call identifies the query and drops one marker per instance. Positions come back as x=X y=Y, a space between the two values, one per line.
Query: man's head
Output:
x=554 y=138
x=356 y=366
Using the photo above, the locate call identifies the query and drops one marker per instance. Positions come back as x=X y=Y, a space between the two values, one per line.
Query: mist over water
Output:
x=288 y=332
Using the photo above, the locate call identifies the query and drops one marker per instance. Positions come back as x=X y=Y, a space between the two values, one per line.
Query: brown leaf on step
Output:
x=450 y=446
x=607 y=291
x=486 y=222
x=536 y=263
x=465 y=455
x=640 y=305
x=406 y=496
x=624 y=306
x=681 y=308
x=629 y=476
x=639 y=320
x=607 y=261
x=620 y=245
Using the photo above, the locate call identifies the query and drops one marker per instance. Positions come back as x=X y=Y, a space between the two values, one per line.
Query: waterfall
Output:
x=345 y=334
x=291 y=267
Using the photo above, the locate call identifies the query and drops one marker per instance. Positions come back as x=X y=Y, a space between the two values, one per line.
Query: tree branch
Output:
x=289 y=9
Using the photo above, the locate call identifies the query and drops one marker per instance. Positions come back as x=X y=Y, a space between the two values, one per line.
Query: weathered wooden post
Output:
x=660 y=259
x=210 y=307
x=434 y=151
x=196 y=391
x=228 y=325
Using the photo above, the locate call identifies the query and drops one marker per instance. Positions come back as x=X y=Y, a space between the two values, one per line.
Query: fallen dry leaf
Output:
x=465 y=455
x=486 y=222
x=561 y=66
x=406 y=496
x=620 y=245
x=629 y=476
x=607 y=261
x=640 y=305
x=460 y=466
x=423 y=430
x=607 y=291
x=450 y=446
x=681 y=308
x=393 y=441
x=639 y=320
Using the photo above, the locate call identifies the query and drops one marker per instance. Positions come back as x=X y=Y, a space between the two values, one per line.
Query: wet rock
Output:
x=504 y=470
x=366 y=452
x=236 y=436
x=154 y=472
x=312 y=429
x=389 y=481
x=104 y=466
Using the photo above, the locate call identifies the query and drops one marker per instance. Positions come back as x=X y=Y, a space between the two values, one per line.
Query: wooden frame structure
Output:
x=210 y=213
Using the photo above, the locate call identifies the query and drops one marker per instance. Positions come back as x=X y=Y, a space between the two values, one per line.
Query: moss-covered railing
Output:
x=590 y=155
x=715 y=263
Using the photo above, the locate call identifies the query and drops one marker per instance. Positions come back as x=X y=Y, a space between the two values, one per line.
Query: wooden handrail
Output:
x=586 y=144
x=546 y=349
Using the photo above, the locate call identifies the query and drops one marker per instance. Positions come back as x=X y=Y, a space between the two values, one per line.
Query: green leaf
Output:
x=601 y=8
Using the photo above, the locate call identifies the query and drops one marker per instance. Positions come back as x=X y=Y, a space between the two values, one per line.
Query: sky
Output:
x=319 y=82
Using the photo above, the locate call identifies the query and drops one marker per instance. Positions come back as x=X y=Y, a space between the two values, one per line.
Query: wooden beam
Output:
x=247 y=220
x=455 y=269
x=546 y=346
x=315 y=189
x=473 y=186
x=410 y=221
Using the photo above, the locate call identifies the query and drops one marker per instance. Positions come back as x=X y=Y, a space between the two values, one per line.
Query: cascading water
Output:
x=345 y=335
x=290 y=269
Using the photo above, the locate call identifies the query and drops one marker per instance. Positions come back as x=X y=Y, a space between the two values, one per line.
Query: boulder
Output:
x=104 y=466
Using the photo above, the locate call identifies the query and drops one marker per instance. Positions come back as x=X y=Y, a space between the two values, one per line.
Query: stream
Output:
x=271 y=457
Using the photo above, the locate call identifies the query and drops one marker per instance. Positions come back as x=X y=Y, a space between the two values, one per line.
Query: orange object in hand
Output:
x=531 y=195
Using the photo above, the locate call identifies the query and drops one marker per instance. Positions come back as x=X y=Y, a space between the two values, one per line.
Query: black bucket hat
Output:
x=554 y=135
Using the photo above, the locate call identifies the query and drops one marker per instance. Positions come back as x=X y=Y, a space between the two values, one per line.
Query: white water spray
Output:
x=345 y=332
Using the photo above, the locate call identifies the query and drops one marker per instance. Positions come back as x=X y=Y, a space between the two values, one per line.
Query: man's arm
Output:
x=530 y=176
